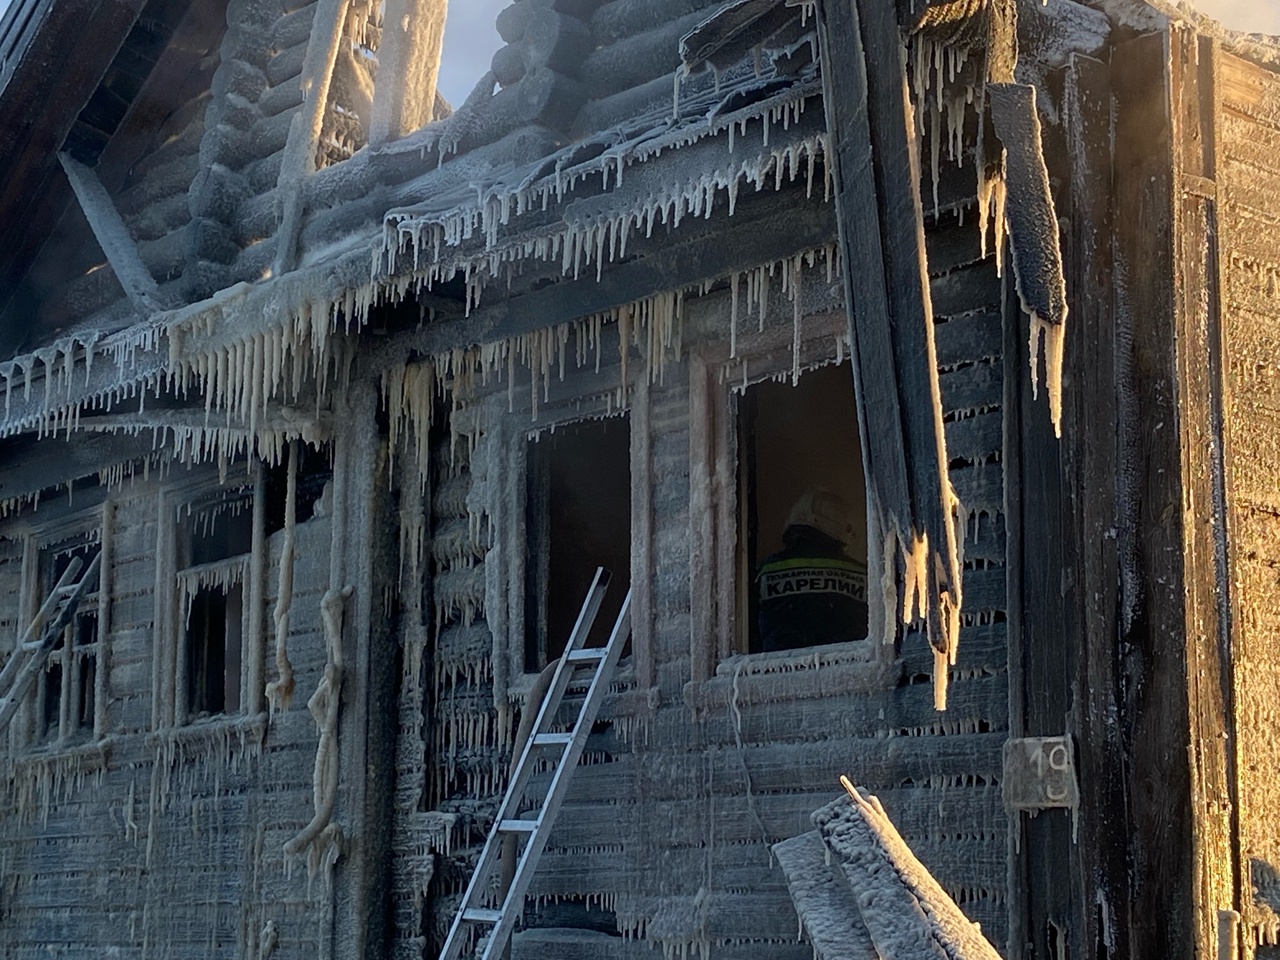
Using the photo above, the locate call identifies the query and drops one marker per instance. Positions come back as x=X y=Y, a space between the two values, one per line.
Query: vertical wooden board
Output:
x=1090 y=467
x=1195 y=90
x=1251 y=425
x=1155 y=708
x=1042 y=653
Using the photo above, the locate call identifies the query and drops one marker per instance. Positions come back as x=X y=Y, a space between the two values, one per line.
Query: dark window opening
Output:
x=219 y=535
x=213 y=651
x=802 y=513
x=51 y=710
x=220 y=531
x=315 y=469
x=578 y=517
x=85 y=701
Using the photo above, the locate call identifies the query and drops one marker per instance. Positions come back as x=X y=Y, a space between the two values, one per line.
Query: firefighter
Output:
x=812 y=592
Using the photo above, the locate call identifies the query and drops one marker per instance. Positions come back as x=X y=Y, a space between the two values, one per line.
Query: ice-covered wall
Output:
x=664 y=839
x=165 y=842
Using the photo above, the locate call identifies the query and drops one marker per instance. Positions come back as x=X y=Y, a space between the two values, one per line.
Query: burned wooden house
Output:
x=348 y=393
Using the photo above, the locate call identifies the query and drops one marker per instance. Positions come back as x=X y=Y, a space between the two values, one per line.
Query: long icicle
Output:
x=280 y=691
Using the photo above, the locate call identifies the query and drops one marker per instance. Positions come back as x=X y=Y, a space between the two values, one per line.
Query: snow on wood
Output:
x=899 y=904
x=113 y=236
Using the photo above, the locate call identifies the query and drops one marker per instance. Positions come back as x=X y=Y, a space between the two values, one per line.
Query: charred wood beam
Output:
x=877 y=174
x=781 y=225
x=113 y=237
x=1154 y=712
x=55 y=462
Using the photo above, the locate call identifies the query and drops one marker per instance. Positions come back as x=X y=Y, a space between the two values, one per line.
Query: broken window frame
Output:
x=83 y=530
x=717 y=381
x=178 y=510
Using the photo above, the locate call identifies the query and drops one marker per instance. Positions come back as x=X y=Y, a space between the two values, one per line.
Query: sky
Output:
x=471 y=38
x=470 y=41
x=1253 y=16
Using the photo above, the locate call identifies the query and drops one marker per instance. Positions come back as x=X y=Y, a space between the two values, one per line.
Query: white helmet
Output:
x=826 y=512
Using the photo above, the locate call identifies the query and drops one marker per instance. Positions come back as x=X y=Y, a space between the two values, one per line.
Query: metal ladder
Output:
x=543 y=744
x=28 y=659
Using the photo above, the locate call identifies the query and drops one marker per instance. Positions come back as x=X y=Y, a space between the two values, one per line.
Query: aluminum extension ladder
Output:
x=476 y=911
x=28 y=659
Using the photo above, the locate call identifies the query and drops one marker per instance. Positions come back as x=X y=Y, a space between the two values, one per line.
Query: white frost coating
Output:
x=654 y=326
x=39 y=784
x=280 y=691
x=241 y=374
x=906 y=911
x=430 y=232
x=320 y=837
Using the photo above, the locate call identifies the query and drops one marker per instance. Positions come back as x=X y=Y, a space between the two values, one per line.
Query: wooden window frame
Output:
x=716 y=383
x=508 y=428
x=84 y=528
x=177 y=510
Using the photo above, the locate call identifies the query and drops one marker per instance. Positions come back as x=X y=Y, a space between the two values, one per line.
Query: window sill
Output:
x=88 y=755
x=816 y=673
x=213 y=732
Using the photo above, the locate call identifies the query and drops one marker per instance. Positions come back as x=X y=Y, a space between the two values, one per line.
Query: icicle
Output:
x=1054 y=339
x=279 y=692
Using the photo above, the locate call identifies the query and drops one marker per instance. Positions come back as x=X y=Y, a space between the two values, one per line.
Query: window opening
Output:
x=219 y=538
x=579 y=518
x=802 y=558
x=65 y=698
x=315 y=469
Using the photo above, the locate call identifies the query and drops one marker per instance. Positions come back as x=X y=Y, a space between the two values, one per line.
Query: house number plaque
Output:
x=1040 y=774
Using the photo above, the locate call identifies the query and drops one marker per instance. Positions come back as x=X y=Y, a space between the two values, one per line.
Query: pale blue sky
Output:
x=470 y=41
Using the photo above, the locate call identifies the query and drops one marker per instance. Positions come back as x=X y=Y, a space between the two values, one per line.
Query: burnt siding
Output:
x=1248 y=183
x=171 y=843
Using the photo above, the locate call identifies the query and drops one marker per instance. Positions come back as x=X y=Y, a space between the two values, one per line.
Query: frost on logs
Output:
x=861 y=892
x=962 y=55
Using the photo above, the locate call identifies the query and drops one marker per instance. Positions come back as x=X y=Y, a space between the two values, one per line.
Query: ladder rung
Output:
x=587 y=655
x=481 y=915
x=552 y=739
x=518 y=826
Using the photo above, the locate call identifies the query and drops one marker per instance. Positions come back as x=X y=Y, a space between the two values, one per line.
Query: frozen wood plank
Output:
x=824 y=900
x=975 y=438
x=409 y=63
x=969 y=337
x=113 y=237
x=877 y=174
x=969 y=288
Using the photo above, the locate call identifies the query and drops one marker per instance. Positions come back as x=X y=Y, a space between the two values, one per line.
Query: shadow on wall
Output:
x=470 y=41
x=1265 y=880
x=1266 y=884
